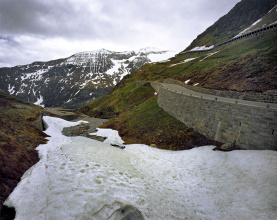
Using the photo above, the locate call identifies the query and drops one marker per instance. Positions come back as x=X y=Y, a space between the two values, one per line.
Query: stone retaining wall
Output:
x=247 y=127
x=269 y=96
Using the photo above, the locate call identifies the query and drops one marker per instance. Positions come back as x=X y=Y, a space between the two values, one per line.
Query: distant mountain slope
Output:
x=76 y=80
x=244 y=14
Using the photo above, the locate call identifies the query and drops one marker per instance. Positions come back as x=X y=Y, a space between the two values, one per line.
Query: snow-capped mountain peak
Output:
x=76 y=80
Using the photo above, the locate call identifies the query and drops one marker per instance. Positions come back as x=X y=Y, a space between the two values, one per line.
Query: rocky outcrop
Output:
x=39 y=123
x=84 y=129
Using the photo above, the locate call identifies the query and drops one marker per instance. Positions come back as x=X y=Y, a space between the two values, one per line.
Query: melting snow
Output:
x=116 y=66
x=161 y=57
x=210 y=54
x=202 y=48
x=187 y=81
x=80 y=178
x=111 y=135
x=185 y=61
x=11 y=89
x=39 y=101
x=245 y=30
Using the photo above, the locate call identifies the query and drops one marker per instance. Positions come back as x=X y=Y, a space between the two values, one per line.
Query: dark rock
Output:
x=128 y=212
x=118 y=146
x=227 y=147
x=7 y=213
x=97 y=138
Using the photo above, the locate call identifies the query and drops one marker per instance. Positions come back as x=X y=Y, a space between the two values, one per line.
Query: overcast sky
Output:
x=42 y=30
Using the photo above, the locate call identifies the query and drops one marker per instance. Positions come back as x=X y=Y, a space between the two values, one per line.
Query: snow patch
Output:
x=11 y=89
x=185 y=61
x=187 y=81
x=202 y=48
x=39 y=101
x=161 y=57
x=111 y=135
x=245 y=30
x=210 y=54
x=115 y=68
x=80 y=178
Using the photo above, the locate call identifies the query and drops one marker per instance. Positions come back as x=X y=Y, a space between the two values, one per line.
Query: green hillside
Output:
x=246 y=65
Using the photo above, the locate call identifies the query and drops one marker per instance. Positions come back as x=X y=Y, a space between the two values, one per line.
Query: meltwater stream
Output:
x=80 y=178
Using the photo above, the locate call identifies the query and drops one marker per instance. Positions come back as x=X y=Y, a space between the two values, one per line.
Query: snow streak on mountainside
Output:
x=242 y=16
x=76 y=80
x=269 y=18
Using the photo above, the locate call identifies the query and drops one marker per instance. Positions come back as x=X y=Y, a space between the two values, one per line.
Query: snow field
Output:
x=202 y=48
x=160 y=57
x=185 y=61
x=80 y=178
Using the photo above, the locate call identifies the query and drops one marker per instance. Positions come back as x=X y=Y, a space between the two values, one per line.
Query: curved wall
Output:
x=247 y=126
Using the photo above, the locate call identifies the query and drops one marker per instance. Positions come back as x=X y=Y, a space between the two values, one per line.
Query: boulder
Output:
x=227 y=147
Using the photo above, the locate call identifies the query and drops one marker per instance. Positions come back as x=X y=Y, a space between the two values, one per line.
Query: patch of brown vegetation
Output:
x=18 y=140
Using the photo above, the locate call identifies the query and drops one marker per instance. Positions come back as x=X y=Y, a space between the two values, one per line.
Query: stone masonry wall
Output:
x=247 y=127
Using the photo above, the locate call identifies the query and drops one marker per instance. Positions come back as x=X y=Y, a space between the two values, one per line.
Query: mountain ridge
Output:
x=73 y=81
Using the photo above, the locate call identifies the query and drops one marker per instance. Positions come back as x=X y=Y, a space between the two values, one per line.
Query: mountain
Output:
x=243 y=15
x=244 y=66
x=76 y=80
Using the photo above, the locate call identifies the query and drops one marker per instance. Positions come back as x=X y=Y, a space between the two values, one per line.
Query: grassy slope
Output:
x=18 y=140
x=122 y=99
x=139 y=119
x=249 y=64
x=148 y=124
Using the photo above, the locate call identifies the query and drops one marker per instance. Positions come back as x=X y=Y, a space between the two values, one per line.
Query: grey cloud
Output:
x=8 y=40
x=169 y=24
x=45 y=18
x=72 y=19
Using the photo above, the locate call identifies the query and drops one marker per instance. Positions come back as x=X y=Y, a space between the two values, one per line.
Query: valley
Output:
x=148 y=133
